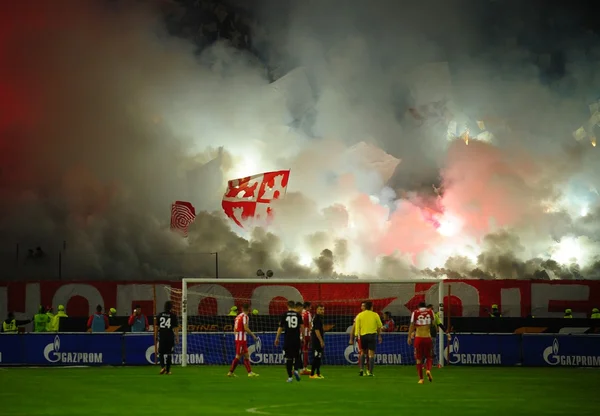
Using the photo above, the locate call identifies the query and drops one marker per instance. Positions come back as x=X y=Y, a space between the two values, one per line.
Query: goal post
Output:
x=207 y=308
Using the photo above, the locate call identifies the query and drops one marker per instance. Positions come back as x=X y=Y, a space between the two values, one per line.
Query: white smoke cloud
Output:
x=108 y=119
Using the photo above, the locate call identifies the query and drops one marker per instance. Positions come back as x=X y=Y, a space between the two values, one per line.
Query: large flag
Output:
x=182 y=215
x=250 y=198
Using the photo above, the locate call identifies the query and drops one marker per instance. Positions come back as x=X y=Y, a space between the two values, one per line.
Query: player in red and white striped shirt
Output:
x=307 y=321
x=240 y=329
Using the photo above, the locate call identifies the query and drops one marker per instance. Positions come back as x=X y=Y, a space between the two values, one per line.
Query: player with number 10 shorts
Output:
x=421 y=322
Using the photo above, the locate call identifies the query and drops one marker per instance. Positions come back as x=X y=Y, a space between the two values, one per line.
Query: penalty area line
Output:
x=261 y=409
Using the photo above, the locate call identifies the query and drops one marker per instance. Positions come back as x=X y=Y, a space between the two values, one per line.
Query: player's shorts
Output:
x=241 y=347
x=423 y=348
x=317 y=349
x=166 y=345
x=292 y=350
x=368 y=342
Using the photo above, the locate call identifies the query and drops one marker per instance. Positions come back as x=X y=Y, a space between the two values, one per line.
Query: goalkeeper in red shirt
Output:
x=421 y=322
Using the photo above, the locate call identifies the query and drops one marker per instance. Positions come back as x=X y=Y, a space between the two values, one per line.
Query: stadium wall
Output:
x=470 y=298
x=218 y=348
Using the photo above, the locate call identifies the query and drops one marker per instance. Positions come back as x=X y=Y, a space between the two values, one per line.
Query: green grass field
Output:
x=194 y=391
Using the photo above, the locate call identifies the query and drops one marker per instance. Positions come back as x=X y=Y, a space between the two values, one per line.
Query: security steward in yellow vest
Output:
x=568 y=313
x=495 y=313
x=54 y=324
x=595 y=313
x=11 y=325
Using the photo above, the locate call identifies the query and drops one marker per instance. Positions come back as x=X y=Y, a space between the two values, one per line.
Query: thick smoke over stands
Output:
x=411 y=150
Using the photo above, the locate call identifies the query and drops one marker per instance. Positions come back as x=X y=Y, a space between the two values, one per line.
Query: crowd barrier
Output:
x=69 y=349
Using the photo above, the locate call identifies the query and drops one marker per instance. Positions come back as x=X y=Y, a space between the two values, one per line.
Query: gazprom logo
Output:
x=452 y=351
x=191 y=358
x=351 y=353
x=550 y=354
x=51 y=352
x=454 y=356
x=258 y=357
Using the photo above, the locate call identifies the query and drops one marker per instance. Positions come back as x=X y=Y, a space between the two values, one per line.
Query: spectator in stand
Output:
x=98 y=322
x=54 y=325
x=595 y=314
x=388 y=323
x=40 y=320
x=11 y=325
x=495 y=313
x=138 y=321
x=568 y=313
x=233 y=311
x=49 y=312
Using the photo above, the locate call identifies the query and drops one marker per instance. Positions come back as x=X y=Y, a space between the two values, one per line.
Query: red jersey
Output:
x=307 y=321
x=422 y=317
x=389 y=325
x=239 y=326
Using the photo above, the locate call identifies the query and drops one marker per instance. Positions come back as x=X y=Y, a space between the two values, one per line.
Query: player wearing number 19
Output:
x=421 y=321
x=291 y=323
x=240 y=329
x=168 y=336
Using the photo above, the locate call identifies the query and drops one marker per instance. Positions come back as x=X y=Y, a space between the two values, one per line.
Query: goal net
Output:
x=208 y=307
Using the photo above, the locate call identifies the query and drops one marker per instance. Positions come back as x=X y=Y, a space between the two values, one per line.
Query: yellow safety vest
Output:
x=596 y=316
x=10 y=327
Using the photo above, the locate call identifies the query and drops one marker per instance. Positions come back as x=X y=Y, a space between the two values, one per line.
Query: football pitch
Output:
x=194 y=391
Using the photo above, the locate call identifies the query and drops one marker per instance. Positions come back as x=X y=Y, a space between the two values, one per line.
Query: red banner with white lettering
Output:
x=516 y=298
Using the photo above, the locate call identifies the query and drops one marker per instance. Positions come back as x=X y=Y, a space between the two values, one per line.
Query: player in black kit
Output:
x=168 y=336
x=318 y=343
x=291 y=323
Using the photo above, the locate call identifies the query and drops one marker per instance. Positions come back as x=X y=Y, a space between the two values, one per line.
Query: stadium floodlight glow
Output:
x=200 y=345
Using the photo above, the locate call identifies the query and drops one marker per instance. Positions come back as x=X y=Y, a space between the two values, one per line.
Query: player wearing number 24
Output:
x=168 y=336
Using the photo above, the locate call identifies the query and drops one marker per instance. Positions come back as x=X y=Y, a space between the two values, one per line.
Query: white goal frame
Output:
x=186 y=281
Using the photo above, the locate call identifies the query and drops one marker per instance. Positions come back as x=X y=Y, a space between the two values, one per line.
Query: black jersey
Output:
x=167 y=322
x=291 y=322
x=317 y=324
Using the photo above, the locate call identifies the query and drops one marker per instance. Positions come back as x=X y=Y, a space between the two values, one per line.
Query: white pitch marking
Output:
x=256 y=411
x=261 y=409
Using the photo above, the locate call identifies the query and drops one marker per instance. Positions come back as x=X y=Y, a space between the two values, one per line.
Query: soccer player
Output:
x=291 y=323
x=298 y=363
x=307 y=321
x=421 y=321
x=368 y=326
x=354 y=334
x=318 y=343
x=240 y=329
x=168 y=336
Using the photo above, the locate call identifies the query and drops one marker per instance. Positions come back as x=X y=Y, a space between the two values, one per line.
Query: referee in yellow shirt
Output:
x=368 y=327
